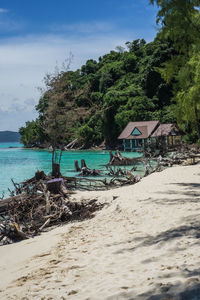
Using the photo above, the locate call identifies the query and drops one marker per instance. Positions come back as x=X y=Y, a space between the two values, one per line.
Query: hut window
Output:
x=136 y=132
x=172 y=132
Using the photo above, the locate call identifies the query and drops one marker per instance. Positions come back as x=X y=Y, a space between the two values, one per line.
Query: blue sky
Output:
x=37 y=35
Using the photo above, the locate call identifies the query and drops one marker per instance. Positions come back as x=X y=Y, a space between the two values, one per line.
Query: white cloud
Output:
x=13 y=120
x=3 y=10
x=84 y=27
x=24 y=62
x=8 y=25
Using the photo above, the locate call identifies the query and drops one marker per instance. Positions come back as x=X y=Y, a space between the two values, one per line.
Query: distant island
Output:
x=9 y=136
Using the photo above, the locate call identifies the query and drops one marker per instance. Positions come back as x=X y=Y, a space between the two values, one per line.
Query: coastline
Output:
x=144 y=242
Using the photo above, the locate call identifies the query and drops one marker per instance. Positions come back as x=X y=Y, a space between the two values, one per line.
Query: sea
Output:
x=19 y=163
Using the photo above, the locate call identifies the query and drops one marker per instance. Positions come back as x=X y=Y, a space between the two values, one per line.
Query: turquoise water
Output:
x=20 y=164
x=10 y=144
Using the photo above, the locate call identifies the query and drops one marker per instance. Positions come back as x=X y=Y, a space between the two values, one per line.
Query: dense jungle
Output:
x=137 y=81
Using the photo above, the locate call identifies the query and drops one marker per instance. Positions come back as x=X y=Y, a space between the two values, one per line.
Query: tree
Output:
x=56 y=120
x=31 y=134
x=188 y=96
x=180 y=23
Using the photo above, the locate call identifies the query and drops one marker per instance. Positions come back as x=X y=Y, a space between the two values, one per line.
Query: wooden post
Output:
x=40 y=175
x=124 y=144
x=54 y=185
x=77 y=168
x=131 y=144
x=56 y=170
x=111 y=155
x=83 y=164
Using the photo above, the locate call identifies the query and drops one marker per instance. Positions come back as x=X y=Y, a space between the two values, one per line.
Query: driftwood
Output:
x=36 y=204
x=37 y=208
x=76 y=165
x=5 y=202
x=116 y=172
x=56 y=170
x=40 y=175
x=71 y=144
x=83 y=164
x=54 y=185
x=84 y=170
x=118 y=160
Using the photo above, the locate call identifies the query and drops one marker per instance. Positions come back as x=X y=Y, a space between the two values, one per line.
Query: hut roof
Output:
x=146 y=128
x=165 y=130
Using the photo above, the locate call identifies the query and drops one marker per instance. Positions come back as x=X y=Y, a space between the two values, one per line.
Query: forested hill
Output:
x=141 y=81
x=101 y=97
x=9 y=136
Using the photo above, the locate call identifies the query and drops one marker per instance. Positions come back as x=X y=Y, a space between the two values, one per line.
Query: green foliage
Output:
x=85 y=132
x=94 y=103
x=32 y=134
x=180 y=22
x=90 y=67
x=188 y=96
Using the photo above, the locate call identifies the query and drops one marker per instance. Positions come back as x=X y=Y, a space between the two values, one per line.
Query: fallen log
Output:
x=88 y=172
x=71 y=144
x=5 y=202
x=118 y=160
x=84 y=170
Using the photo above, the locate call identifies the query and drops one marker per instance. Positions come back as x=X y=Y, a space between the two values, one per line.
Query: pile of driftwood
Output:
x=42 y=201
x=84 y=170
x=37 y=205
x=118 y=160
x=119 y=177
x=183 y=156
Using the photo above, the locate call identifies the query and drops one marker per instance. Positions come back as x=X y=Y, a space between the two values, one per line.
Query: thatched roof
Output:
x=146 y=128
x=165 y=130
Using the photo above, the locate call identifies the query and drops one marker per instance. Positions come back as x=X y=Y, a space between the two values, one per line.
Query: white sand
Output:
x=144 y=242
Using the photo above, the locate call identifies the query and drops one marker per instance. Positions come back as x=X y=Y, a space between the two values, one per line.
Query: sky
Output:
x=38 y=35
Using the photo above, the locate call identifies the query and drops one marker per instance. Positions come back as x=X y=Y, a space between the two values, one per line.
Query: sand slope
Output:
x=144 y=244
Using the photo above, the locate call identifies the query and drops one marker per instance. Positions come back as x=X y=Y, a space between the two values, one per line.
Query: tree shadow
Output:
x=164 y=201
x=189 y=289
x=188 y=185
x=191 y=273
x=176 y=292
x=190 y=190
x=191 y=230
x=161 y=291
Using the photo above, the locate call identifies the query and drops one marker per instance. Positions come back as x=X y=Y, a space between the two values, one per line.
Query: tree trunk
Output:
x=197 y=122
x=56 y=170
x=77 y=168
x=83 y=164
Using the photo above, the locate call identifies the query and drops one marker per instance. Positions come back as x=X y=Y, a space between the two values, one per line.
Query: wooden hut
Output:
x=140 y=135
x=169 y=134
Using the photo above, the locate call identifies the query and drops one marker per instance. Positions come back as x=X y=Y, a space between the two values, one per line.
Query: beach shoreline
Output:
x=144 y=243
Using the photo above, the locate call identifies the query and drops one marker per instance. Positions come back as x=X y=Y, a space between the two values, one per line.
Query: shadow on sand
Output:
x=190 y=230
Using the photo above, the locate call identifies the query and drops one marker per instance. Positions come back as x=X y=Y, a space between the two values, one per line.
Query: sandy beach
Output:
x=144 y=244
